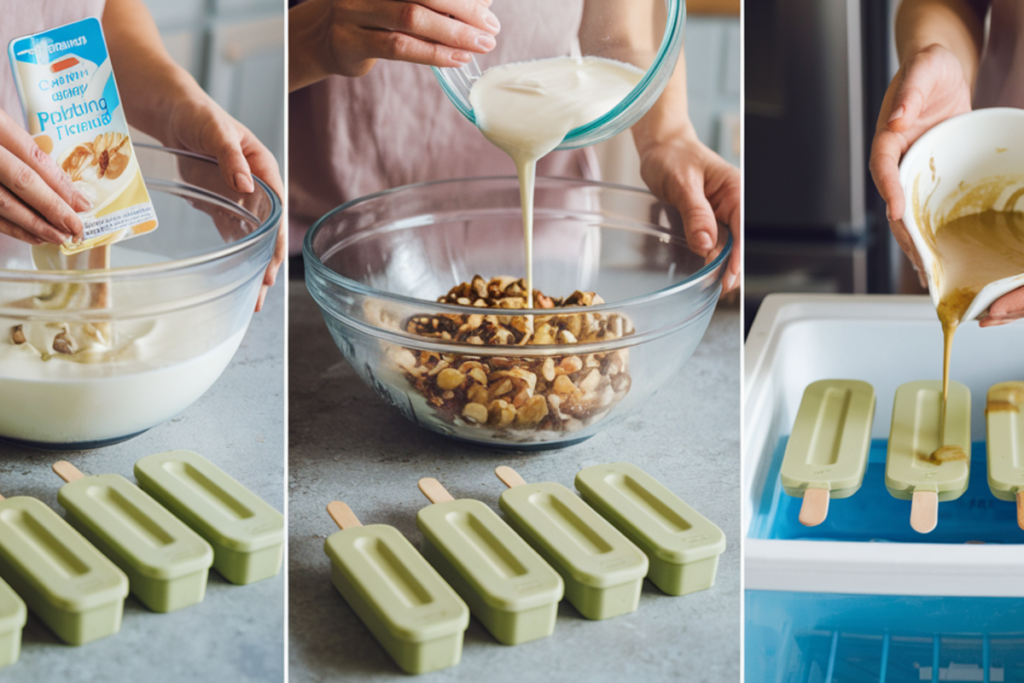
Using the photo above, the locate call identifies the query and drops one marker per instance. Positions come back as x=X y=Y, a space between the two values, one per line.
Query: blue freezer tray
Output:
x=832 y=638
x=872 y=514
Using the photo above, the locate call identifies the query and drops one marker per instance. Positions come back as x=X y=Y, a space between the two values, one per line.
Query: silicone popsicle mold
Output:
x=602 y=569
x=166 y=562
x=681 y=544
x=65 y=581
x=404 y=602
x=507 y=585
x=13 y=614
x=247 y=535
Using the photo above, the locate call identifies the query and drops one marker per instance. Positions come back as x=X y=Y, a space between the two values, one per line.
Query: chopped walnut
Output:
x=559 y=393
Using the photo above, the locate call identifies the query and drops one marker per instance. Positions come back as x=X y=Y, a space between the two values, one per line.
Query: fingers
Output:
x=1006 y=309
x=886 y=151
x=8 y=228
x=432 y=32
x=902 y=235
x=24 y=147
x=909 y=99
x=17 y=177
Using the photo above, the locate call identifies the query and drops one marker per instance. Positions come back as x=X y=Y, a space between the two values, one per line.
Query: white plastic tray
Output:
x=884 y=340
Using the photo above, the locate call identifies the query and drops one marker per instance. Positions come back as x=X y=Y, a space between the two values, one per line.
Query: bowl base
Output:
x=72 y=446
x=523 y=447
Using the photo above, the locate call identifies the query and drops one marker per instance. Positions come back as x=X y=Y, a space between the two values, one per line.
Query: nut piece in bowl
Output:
x=102 y=345
x=471 y=362
x=519 y=399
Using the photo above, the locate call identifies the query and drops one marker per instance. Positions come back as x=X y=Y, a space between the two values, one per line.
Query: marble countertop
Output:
x=236 y=633
x=346 y=445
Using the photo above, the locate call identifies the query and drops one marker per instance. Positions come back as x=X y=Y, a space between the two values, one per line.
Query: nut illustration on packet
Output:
x=74 y=112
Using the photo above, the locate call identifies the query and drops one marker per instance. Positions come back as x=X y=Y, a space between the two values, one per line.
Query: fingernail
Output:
x=69 y=224
x=486 y=3
x=492 y=21
x=703 y=241
x=461 y=57
x=897 y=113
x=485 y=42
x=82 y=203
x=243 y=182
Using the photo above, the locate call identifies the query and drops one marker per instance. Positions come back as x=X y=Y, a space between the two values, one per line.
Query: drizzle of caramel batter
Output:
x=943 y=454
x=974 y=244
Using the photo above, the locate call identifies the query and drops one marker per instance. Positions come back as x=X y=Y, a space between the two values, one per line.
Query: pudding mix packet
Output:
x=74 y=112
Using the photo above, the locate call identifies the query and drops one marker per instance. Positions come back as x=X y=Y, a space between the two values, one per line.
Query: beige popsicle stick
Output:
x=924 y=511
x=1020 y=509
x=99 y=259
x=509 y=477
x=815 y=507
x=67 y=471
x=342 y=515
x=433 y=490
x=2 y=498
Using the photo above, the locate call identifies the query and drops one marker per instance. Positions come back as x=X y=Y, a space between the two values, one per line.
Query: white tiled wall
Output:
x=712 y=47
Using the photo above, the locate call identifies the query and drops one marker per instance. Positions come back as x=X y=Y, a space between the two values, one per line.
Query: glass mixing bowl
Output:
x=377 y=265
x=613 y=29
x=173 y=308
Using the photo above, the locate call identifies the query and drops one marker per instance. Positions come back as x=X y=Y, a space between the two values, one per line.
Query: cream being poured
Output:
x=527 y=108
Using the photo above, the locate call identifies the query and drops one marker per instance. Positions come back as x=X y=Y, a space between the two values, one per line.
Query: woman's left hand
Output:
x=200 y=125
x=705 y=188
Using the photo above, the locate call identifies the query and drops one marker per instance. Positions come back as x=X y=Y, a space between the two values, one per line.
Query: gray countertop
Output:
x=236 y=633
x=346 y=445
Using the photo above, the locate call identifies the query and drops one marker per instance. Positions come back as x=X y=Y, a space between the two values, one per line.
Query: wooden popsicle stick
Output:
x=924 y=511
x=434 y=491
x=2 y=498
x=509 y=477
x=1020 y=509
x=67 y=471
x=815 y=507
x=342 y=515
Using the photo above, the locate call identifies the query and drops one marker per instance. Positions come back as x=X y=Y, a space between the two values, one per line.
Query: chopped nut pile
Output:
x=560 y=393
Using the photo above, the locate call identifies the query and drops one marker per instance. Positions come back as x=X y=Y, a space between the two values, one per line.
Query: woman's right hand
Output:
x=37 y=200
x=347 y=37
x=929 y=88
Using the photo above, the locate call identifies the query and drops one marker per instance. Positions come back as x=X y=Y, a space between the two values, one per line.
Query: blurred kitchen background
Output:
x=816 y=72
x=235 y=49
x=711 y=43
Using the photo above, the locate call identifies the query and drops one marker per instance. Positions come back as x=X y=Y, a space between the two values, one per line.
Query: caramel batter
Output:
x=975 y=244
x=943 y=454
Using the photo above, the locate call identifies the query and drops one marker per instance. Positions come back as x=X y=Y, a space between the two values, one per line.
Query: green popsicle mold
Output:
x=1005 y=439
x=166 y=562
x=247 y=535
x=12 y=620
x=507 y=585
x=828 y=447
x=681 y=544
x=67 y=583
x=602 y=569
x=914 y=436
x=407 y=606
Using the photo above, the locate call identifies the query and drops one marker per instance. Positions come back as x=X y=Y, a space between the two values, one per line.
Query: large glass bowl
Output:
x=655 y=28
x=377 y=263
x=178 y=302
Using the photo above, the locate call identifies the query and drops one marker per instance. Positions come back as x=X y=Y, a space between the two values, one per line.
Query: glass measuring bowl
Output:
x=655 y=49
x=185 y=293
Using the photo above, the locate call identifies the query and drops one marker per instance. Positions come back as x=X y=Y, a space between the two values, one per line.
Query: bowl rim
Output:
x=316 y=265
x=675 y=22
x=130 y=272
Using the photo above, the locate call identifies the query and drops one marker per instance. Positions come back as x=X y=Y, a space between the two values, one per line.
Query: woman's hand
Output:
x=706 y=190
x=198 y=124
x=37 y=200
x=929 y=88
x=347 y=37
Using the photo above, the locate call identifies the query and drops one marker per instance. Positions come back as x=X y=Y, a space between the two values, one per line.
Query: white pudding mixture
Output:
x=527 y=108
